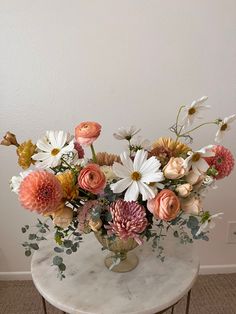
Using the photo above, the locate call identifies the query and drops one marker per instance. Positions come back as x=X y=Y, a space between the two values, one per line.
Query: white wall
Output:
x=118 y=62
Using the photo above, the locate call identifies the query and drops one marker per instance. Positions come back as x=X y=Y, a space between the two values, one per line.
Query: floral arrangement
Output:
x=141 y=194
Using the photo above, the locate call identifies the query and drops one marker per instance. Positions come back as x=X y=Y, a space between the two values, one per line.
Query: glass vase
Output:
x=120 y=259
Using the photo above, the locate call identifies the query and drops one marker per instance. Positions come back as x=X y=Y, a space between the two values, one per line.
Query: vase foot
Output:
x=125 y=265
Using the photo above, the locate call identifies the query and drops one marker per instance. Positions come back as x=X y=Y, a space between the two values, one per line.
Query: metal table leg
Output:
x=44 y=306
x=172 y=309
x=188 y=302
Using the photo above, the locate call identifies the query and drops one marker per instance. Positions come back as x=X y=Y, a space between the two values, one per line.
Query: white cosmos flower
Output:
x=16 y=181
x=192 y=111
x=224 y=126
x=126 y=133
x=196 y=160
x=209 y=223
x=136 y=175
x=139 y=143
x=52 y=147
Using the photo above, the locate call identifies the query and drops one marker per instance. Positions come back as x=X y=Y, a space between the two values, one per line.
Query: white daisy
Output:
x=224 y=125
x=192 y=111
x=126 y=133
x=52 y=147
x=16 y=181
x=196 y=160
x=138 y=142
x=136 y=175
x=209 y=223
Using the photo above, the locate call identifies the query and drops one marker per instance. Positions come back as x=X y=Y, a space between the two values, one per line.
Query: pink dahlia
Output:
x=223 y=161
x=40 y=191
x=128 y=220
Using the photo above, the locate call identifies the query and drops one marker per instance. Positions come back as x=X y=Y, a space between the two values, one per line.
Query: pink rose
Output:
x=175 y=168
x=165 y=205
x=92 y=179
x=87 y=132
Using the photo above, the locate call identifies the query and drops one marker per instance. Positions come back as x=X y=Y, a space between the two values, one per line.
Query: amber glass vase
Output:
x=119 y=250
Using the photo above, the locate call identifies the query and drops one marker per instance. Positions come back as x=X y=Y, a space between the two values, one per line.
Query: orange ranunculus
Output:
x=165 y=205
x=87 y=132
x=92 y=179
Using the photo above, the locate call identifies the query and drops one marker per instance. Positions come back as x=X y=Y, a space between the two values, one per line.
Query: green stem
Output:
x=93 y=153
x=177 y=121
x=197 y=127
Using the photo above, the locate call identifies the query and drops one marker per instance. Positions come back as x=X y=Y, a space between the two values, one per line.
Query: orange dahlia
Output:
x=40 y=191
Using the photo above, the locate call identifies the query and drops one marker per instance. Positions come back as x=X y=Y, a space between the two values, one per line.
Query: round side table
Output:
x=90 y=288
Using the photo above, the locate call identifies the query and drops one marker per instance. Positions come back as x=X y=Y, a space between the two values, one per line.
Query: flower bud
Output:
x=184 y=190
x=9 y=139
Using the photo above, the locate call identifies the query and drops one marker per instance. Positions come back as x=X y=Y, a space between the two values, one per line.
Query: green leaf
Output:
x=27 y=227
x=58 y=249
x=34 y=246
x=27 y=253
x=62 y=267
x=74 y=248
x=32 y=236
x=23 y=230
x=68 y=251
x=68 y=243
x=42 y=230
x=57 y=260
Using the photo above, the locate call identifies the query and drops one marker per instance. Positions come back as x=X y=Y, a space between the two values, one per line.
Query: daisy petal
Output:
x=139 y=159
x=120 y=185
x=44 y=145
x=132 y=193
x=120 y=170
x=41 y=156
x=146 y=191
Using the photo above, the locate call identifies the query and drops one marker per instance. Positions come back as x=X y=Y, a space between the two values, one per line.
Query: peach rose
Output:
x=165 y=205
x=62 y=217
x=191 y=205
x=92 y=179
x=194 y=179
x=87 y=132
x=175 y=168
x=184 y=190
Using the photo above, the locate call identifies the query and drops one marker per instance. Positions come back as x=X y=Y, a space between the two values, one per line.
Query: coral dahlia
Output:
x=128 y=220
x=40 y=191
x=223 y=161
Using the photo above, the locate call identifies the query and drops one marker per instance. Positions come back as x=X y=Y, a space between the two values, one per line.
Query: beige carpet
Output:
x=213 y=294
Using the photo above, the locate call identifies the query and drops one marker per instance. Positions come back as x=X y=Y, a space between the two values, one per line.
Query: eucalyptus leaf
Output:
x=57 y=260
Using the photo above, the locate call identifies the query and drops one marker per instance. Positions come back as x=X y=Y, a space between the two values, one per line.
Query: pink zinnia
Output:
x=40 y=191
x=223 y=161
x=128 y=220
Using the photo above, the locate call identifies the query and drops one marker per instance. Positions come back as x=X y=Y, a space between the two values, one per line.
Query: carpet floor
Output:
x=212 y=294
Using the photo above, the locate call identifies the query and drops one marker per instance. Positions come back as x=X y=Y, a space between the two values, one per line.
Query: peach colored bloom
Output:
x=92 y=179
x=40 y=191
x=175 y=168
x=184 y=190
x=164 y=205
x=62 y=217
x=87 y=132
x=191 y=205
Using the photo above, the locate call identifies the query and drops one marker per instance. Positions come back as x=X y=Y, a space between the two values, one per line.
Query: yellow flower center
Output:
x=191 y=111
x=196 y=157
x=55 y=151
x=223 y=127
x=136 y=176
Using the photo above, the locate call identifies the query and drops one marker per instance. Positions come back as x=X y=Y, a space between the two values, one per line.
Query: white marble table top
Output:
x=91 y=288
